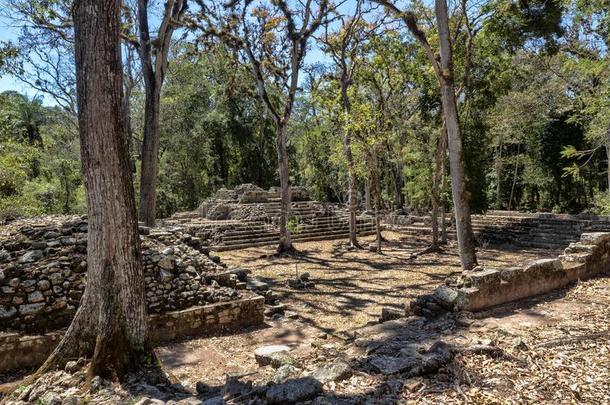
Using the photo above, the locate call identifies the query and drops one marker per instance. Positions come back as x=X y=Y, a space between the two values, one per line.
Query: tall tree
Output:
x=110 y=323
x=153 y=58
x=273 y=40
x=343 y=46
x=443 y=69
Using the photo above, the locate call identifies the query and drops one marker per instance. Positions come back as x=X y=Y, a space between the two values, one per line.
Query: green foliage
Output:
x=214 y=132
x=39 y=159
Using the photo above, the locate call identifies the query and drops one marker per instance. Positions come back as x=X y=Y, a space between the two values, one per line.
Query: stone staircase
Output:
x=527 y=230
x=312 y=221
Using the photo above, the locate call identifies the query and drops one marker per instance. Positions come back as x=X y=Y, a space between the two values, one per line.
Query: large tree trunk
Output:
x=110 y=323
x=282 y=157
x=465 y=235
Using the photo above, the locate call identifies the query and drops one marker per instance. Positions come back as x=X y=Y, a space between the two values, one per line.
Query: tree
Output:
x=153 y=58
x=273 y=41
x=444 y=73
x=343 y=46
x=111 y=322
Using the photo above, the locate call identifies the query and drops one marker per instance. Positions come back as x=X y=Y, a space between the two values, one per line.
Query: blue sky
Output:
x=9 y=33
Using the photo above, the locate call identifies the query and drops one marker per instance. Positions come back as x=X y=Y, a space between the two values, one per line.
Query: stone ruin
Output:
x=249 y=216
x=483 y=288
x=517 y=229
x=43 y=273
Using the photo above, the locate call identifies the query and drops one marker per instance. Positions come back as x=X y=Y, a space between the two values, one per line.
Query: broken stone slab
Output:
x=482 y=278
x=264 y=354
x=257 y=284
x=543 y=266
x=284 y=373
x=293 y=391
x=31 y=256
x=594 y=237
x=511 y=274
x=446 y=297
x=280 y=359
x=275 y=309
x=338 y=370
x=411 y=362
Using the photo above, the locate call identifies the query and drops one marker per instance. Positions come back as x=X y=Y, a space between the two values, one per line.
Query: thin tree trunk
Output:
x=150 y=152
x=499 y=176
x=608 y=157
x=111 y=319
x=282 y=156
x=465 y=235
x=351 y=177
x=512 y=188
x=436 y=180
x=154 y=75
x=443 y=188
x=352 y=203
x=367 y=195
x=377 y=198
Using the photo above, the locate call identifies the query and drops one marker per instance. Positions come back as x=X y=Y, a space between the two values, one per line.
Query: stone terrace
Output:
x=525 y=230
x=248 y=216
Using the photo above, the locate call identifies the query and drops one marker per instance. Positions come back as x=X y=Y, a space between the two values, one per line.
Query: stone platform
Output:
x=520 y=229
x=249 y=216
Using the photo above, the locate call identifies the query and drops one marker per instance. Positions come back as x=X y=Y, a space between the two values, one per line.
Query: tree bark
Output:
x=436 y=182
x=367 y=195
x=110 y=323
x=465 y=236
x=608 y=157
x=347 y=147
x=282 y=157
x=443 y=188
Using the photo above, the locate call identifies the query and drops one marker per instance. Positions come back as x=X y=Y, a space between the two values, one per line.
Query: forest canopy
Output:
x=532 y=86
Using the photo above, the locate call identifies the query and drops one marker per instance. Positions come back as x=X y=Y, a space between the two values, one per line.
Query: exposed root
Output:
x=492 y=351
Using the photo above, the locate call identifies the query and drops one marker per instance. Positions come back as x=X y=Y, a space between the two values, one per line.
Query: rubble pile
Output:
x=43 y=266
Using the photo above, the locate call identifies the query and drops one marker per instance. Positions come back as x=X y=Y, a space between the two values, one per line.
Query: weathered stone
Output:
x=31 y=256
x=293 y=391
x=165 y=276
x=264 y=354
x=280 y=359
x=44 y=285
x=166 y=263
x=446 y=297
x=7 y=312
x=36 y=296
x=214 y=401
x=284 y=373
x=31 y=309
x=338 y=370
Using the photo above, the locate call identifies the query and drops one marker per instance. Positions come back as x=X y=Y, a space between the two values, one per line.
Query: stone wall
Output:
x=485 y=287
x=43 y=272
x=18 y=351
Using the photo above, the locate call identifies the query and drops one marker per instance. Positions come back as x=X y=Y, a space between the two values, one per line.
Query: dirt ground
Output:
x=351 y=287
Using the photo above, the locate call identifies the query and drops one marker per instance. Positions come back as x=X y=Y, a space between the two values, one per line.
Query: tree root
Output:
x=491 y=351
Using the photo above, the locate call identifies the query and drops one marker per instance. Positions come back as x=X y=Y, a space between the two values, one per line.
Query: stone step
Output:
x=309 y=238
x=304 y=232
